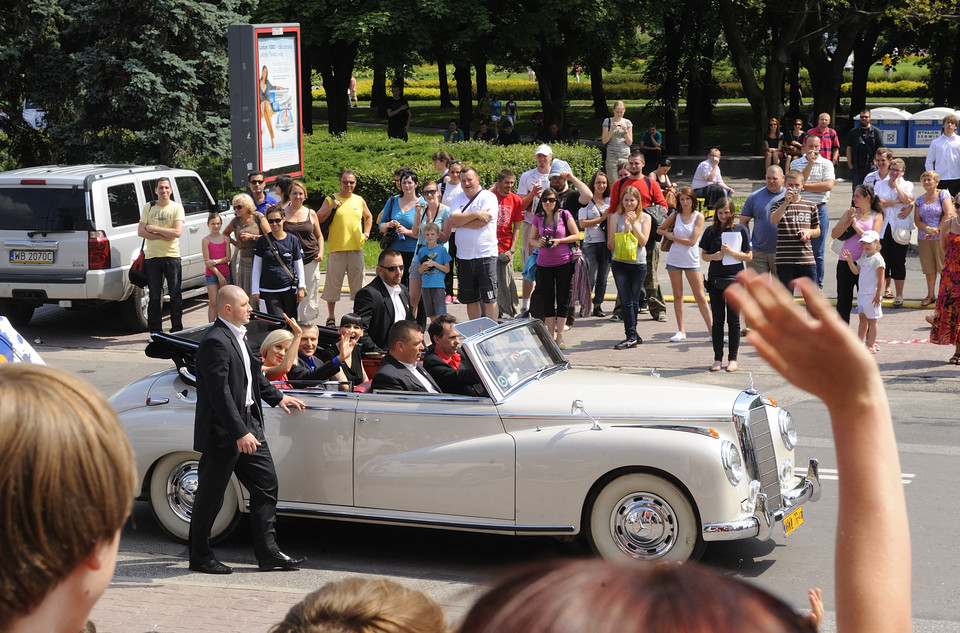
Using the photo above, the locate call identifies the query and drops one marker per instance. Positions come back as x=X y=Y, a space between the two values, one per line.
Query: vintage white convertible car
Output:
x=644 y=468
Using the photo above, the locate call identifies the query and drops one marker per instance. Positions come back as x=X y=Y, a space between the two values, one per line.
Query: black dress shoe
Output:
x=212 y=566
x=280 y=561
x=597 y=312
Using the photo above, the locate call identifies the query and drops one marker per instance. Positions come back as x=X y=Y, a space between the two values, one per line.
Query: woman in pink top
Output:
x=216 y=256
x=554 y=230
x=865 y=215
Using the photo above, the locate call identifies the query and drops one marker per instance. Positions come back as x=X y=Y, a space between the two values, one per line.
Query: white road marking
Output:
x=831 y=475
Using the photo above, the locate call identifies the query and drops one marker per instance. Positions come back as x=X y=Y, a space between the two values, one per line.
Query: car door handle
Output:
x=194 y=229
x=364 y=419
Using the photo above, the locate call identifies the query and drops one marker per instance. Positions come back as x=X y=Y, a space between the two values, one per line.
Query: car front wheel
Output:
x=173 y=487
x=645 y=518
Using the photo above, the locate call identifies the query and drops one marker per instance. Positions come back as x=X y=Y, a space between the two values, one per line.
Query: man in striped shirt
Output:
x=797 y=224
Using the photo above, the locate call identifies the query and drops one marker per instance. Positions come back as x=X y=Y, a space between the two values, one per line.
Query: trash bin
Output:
x=892 y=123
x=927 y=125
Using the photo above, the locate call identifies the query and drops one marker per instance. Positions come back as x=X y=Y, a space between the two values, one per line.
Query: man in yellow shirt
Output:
x=161 y=225
x=349 y=231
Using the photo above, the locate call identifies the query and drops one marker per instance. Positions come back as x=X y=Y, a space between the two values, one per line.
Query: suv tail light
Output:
x=98 y=250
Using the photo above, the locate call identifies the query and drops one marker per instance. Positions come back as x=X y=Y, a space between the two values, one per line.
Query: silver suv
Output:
x=69 y=235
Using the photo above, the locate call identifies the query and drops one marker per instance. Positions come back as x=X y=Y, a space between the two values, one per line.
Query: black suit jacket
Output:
x=221 y=391
x=393 y=376
x=464 y=381
x=375 y=307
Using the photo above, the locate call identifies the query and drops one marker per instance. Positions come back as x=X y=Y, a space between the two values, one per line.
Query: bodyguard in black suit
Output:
x=449 y=368
x=399 y=370
x=379 y=302
x=228 y=433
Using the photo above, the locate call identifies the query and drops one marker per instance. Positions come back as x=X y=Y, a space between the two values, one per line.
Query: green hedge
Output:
x=374 y=157
x=623 y=87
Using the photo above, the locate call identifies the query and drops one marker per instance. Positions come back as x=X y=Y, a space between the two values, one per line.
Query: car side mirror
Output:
x=577 y=407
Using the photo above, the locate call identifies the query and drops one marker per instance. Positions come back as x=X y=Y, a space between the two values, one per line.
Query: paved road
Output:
x=153 y=590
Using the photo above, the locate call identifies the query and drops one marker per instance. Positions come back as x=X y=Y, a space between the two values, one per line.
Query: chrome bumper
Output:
x=761 y=524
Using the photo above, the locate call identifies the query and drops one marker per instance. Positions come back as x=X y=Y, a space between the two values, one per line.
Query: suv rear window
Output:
x=43 y=209
x=124 y=208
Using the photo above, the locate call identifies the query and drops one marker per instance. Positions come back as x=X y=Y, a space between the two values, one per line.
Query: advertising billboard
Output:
x=265 y=90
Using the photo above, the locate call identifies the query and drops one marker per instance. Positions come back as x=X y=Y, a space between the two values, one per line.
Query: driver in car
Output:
x=446 y=365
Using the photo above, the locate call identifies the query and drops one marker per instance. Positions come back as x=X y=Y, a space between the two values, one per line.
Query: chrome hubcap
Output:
x=182 y=489
x=643 y=526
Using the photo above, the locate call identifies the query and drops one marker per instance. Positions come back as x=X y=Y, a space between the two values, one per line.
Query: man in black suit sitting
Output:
x=383 y=302
x=444 y=362
x=399 y=370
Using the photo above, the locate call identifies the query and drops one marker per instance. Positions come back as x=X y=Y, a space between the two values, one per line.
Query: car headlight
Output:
x=732 y=463
x=788 y=430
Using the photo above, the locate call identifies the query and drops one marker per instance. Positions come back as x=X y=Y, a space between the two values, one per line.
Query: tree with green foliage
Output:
x=143 y=82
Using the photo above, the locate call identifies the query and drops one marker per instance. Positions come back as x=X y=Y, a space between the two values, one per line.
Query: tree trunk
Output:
x=552 y=79
x=480 y=63
x=445 y=101
x=306 y=90
x=796 y=94
x=863 y=57
x=461 y=74
x=378 y=92
x=600 y=109
x=335 y=61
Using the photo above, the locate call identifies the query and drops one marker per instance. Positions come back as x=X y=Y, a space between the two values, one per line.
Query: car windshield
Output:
x=513 y=354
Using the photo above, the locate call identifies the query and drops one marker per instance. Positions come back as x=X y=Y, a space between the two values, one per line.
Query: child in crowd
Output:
x=869 y=270
x=216 y=256
x=434 y=261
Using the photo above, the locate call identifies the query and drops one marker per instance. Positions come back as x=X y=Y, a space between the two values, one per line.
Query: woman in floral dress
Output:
x=947 y=315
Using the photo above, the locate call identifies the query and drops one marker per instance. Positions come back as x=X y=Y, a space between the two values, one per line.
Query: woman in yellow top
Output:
x=349 y=231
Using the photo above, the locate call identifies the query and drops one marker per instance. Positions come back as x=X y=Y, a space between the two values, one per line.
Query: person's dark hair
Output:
x=400 y=171
x=351 y=318
x=665 y=162
x=212 y=215
x=454 y=121
x=411 y=175
x=436 y=326
x=446 y=157
x=385 y=253
x=548 y=192
x=344 y=172
x=504 y=174
x=571 y=596
x=402 y=331
x=284 y=182
x=252 y=174
x=453 y=161
x=162 y=179
x=875 y=206
x=636 y=152
x=593 y=181
x=273 y=209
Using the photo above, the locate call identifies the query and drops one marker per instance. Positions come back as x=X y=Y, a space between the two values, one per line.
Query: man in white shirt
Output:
x=943 y=156
x=707 y=181
x=818 y=180
x=474 y=214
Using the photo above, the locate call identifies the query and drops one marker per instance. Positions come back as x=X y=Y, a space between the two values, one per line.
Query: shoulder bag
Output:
x=294 y=280
x=138 y=271
x=667 y=244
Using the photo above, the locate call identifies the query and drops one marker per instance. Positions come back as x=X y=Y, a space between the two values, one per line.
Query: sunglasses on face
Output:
x=393 y=269
x=238 y=207
x=275 y=221
x=256 y=182
x=550 y=200
x=429 y=192
x=348 y=182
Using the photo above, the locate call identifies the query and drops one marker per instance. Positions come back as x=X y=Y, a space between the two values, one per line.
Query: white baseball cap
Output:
x=870 y=236
x=545 y=150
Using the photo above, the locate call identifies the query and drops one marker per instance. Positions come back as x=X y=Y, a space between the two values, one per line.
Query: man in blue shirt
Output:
x=260 y=198
x=757 y=208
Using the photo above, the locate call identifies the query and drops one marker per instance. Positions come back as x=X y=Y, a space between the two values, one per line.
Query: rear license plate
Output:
x=792 y=521
x=31 y=257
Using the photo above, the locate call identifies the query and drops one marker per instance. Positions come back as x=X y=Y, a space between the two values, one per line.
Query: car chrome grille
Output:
x=756 y=443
